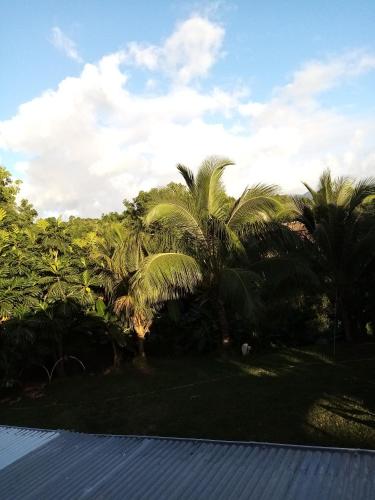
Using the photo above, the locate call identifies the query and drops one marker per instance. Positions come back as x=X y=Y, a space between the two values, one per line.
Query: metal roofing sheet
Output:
x=16 y=442
x=73 y=465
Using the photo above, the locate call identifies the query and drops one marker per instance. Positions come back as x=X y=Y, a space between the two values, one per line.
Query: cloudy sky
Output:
x=99 y=99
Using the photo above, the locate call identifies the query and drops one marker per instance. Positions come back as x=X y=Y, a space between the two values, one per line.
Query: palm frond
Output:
x=188 y=176
x=362 y=190
x=124 y=305
x=177 y=214
x=342 y=189
x=211 y=196
x=326 y=190
x=239 y=288
x=165 y=276
x=287 y=270
x=255 y=203
x=3 y=214
x=304 y=213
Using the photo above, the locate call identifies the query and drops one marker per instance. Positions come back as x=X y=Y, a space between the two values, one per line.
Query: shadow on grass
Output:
x=351 y=410
x=290 y=396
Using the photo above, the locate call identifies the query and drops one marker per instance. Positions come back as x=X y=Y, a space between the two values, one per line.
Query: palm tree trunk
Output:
x=60 y=368
x=335 y=325
x=346 y=322
x=223 y=323
x=141 y=347
x=140 y=332
x=116 y=360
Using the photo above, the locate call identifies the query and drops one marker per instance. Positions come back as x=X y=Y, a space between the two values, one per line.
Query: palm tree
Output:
x=338 y=220
x=120 y=252
x=139 y=316
x=208 y=253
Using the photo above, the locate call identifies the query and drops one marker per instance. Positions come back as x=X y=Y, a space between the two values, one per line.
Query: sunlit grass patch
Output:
x=261 y=372
x=340 y=418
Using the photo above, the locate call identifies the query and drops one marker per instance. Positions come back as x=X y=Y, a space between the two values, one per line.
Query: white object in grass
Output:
x=245 y=348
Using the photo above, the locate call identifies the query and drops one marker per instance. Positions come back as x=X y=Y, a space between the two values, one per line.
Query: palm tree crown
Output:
x=208 y=250
x=339 y=220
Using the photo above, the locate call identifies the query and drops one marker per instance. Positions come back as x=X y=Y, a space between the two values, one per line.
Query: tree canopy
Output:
x=186 y=265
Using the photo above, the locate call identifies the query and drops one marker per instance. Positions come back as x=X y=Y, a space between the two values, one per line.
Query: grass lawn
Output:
x=286 y=396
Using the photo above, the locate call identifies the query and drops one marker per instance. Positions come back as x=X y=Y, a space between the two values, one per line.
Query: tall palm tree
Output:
x=209 y=253
x=339 y=224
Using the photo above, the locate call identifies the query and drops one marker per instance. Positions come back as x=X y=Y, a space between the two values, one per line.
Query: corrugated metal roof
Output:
x=64 y=465
x=15 y=443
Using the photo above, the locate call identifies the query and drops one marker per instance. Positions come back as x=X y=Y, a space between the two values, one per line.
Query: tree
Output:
x=9 y=190
x=139 y=315
x=19 y=287
x=112 y=328
x=339 y=223
x=208 y=253
x=120 y=252
x=68 y=284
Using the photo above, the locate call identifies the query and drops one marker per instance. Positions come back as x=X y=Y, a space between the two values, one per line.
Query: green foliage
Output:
x=186 y=267
x=212 y=229
x=339 y=223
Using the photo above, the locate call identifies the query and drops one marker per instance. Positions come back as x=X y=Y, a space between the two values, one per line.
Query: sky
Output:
x=101 y=99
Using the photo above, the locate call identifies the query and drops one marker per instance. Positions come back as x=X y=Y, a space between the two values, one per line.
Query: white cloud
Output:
x=91 y=142
x=188 y=53
x=193 y=48
x=65 y=44
x=320 y=76
x=143 y=55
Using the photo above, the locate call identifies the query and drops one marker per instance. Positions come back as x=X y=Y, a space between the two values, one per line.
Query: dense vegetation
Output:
x=185 y=269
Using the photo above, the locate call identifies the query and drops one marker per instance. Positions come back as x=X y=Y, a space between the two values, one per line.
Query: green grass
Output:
x=287 y=396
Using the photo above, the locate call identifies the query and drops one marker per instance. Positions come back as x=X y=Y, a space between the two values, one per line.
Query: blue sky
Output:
x=252 y=72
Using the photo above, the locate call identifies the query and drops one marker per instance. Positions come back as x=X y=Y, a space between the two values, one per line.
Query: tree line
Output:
x=186 y=268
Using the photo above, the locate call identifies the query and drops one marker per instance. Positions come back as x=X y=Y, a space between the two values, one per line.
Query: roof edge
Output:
x=200 y=440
